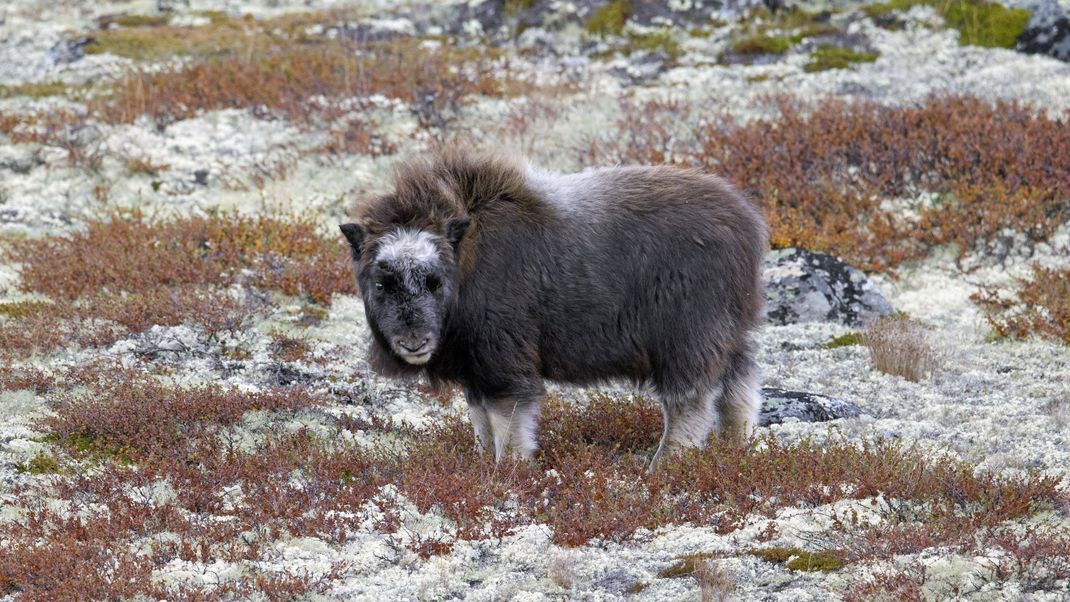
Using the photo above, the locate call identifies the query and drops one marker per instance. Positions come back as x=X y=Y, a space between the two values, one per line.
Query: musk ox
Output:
x=493 y=274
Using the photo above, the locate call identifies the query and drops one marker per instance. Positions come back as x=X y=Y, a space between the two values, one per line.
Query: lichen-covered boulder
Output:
x=806 y=286
x=1048 y=31
x=779 y=406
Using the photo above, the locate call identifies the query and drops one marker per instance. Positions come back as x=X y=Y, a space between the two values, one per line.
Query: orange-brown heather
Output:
x=286 y=75
x=1040 y=305
x=122 y=274
x=589 y=485
x=826 y=172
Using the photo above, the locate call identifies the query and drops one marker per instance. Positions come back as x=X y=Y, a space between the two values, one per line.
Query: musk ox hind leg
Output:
x=687 y=421
x=741 y=397
x=733 y=402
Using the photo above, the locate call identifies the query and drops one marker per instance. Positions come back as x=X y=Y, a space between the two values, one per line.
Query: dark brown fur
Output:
x=650 y=274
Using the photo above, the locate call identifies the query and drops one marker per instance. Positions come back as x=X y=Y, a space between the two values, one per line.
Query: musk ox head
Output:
x=408 y=279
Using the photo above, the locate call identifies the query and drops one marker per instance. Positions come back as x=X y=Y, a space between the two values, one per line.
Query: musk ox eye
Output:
x=379 y=285
x=433 y=283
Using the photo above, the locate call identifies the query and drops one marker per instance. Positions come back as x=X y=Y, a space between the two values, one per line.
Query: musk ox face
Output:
x=408 y=280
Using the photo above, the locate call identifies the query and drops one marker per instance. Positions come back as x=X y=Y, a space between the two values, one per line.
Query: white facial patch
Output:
x=404 y=245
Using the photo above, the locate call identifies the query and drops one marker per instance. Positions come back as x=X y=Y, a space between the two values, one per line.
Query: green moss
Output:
x=89 y=446
x=152 y=43
x=36 y=90
x=685 y=566
x=844 y=340
x=800 y=560
x=515 y=7
x=793 y=19
x=133 y=21
x=236 y=353
x=763 y=44
x=833 y=57
x=661 y=41
x=21 y=309
x=987 y=24
x=42 y=463
x=610 y=18
x=82 y=443
x=219 y=16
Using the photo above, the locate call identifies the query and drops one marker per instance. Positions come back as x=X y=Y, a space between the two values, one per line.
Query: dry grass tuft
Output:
x=562 y=570
x=715 y=583
x=901 y=347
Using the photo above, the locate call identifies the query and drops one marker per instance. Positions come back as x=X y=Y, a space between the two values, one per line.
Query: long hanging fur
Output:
x=645 y=273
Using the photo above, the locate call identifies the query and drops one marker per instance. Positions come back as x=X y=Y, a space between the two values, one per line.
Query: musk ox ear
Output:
x=354 y=233
x=455 y=230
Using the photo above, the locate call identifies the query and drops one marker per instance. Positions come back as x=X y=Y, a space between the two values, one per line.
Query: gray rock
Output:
x=640 y=68
x=806 y=286
x=68 y=51
x=1048 y=31
x=166 y=6
x=617 y=581
x=779 y=406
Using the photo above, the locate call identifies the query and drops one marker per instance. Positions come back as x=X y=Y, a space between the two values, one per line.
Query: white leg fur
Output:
x=513 y=425
x=739 y=406
x=477 y=415
x=687 y=423
x=690 y=423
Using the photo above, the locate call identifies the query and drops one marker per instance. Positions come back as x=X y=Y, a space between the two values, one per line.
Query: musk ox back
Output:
x=496 y=275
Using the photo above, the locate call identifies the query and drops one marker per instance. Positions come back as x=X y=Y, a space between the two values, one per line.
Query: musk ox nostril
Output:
x=414 y=345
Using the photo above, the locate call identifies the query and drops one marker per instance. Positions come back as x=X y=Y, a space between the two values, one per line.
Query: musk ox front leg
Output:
x=481 y=428
x=507 y=425
x=514 y=423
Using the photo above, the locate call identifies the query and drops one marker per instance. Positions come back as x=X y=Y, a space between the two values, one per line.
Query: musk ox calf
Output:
x=495 y=275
